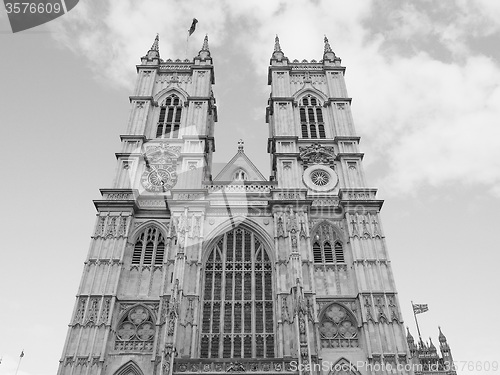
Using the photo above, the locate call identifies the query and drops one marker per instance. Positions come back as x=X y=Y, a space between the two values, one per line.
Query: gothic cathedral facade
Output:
x=191 y=273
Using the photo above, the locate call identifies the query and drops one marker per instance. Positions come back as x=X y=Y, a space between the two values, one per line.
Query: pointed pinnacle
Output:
x=205 y=44
x=327 y=45
x=442 y=337
x=277 y=47
x=155 y=47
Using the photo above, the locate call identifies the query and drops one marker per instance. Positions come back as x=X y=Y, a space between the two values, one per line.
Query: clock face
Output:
x=159 y=179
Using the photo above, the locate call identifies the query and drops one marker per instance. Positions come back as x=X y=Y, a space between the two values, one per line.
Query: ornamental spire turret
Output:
x=155 y=46
x=328 y=53
x=205 y=50
x=410 y=340
x=153 y=55
x=277 y=47
x=432 y=348
x=277 y=53
x=442 y=338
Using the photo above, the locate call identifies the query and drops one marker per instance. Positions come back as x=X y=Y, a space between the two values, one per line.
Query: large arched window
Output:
x=149 y=247
x=238 y=319
x=170 y=118
x=311 y=118
x=327 y=245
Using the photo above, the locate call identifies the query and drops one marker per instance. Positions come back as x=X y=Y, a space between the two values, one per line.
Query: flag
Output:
x=22 y=354
x=420 y=308
x=193 y=26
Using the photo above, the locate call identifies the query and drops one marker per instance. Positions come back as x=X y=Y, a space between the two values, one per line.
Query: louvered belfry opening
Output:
x=311 y=118
x=170 y=118
x=327 y=246
x=149 y=247
x=238 y=317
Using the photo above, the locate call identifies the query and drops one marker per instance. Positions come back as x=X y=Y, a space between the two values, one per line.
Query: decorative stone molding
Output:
x=317 y=154
x=320 y=179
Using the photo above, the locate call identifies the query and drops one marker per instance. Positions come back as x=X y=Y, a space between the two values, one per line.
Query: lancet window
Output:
x=338 y=328
x=136 y=330
x=327 y=245
x=170 y=118
x=149 y=247
x=311 y=118
x=238 y=319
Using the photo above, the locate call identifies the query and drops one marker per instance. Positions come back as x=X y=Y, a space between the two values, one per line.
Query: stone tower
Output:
x=189 y=273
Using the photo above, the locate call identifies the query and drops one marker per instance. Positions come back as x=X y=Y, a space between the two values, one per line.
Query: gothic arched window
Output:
x=311 y=118
x=136 y=330
x=238 y=318
x=149 y=247
x=170 y=118
x=338 y=328
x=240 y=175
x=327 y=245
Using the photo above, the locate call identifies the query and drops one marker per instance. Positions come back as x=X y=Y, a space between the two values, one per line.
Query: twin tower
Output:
x=192 y=273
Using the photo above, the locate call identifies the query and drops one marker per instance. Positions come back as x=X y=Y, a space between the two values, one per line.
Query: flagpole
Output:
x=20 y=358
x=416 y=321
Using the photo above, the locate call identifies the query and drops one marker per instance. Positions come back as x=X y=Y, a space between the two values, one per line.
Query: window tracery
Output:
x=338 y=328
x=149 y=247
x=169 y=120
x=327 y=245
x=136 y=330
x=311 y=118
x=238 y=319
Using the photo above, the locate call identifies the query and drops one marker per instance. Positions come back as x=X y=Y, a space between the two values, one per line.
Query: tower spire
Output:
x=328 y=53
x=327 y=45
x=205 y=44
x=205 y=50
x=153 y=55
x=277 y=47
x=155 y=46
x=277 y=53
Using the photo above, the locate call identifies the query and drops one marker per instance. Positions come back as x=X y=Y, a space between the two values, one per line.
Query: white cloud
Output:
x=435 y=120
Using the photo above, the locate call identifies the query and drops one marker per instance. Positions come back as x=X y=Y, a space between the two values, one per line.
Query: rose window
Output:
x=320 y=177
x=338 y=328
x=136 y=330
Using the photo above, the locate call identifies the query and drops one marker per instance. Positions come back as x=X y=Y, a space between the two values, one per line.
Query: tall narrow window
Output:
x=311 y=118
x=238 y=318
x=323 y=251
x=170 y=118
x=149 y=247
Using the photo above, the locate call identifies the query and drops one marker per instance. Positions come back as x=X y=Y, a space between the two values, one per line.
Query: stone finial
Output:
x=328 y=53
x=155 y=46
x=240 y=145
x=327 y=45
x=277 y=53
x=442 y=338
x=277 y=47
x=408 y=335
x=205 y=44
x=153 y=55
x=205 y=50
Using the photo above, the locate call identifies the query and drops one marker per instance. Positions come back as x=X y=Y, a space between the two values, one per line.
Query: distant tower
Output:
x=426 y=360
x=188 y=273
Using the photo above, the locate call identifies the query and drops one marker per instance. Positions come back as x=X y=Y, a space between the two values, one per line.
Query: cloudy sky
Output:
x=425 y=81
